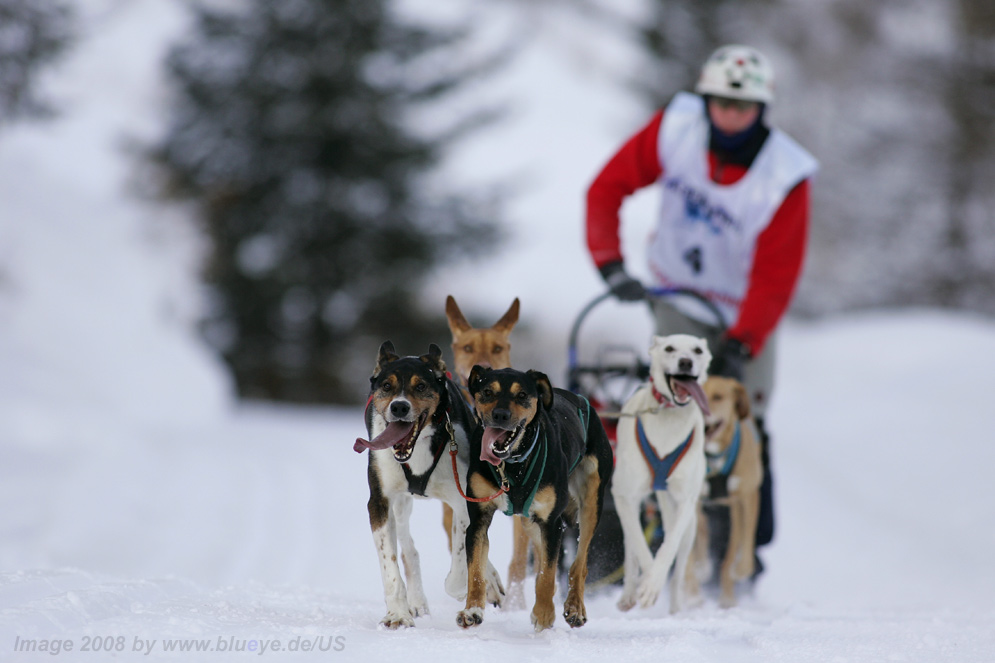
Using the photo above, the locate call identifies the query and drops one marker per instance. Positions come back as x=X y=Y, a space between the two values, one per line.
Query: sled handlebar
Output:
x=651 y=293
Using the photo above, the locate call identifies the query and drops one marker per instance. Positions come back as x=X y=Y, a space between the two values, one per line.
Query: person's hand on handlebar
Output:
x=622 y=286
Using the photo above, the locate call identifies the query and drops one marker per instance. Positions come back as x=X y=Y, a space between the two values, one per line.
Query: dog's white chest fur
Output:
x=440 y=484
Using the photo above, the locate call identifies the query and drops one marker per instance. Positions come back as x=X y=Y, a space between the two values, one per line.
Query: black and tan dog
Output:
x=542 y=453
x=413 y=414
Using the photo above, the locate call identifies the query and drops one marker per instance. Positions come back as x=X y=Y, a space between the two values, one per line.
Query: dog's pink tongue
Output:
x=394 y=433
x=693 y=389
x=491 y=435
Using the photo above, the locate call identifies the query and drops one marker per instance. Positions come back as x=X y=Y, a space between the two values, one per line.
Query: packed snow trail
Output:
x=254 y=527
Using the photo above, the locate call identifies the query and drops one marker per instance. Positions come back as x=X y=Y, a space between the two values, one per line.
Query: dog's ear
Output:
x=508 y=320
x=473 y=381
x=544 y=388
x=434 y=361
x=385 y=356
x=742 y=402
x=457 y=323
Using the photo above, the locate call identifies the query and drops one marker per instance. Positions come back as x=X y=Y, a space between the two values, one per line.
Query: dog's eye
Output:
x=421 y=387
x=669 y=348
x=468 y=348
x=523 y=398
x=386 y=388
x=697 y=351
x=497 y=349
x=486 y=392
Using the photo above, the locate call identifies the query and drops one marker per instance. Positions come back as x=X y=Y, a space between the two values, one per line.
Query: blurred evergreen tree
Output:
x=33 y=33
x=289 y=134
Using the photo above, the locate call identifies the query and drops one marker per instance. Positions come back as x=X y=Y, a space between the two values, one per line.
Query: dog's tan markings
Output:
x=385 y=393
x=543 y=503
x=481 y=487
x=523 y=405
x=378 y=505
x=544 y=612
x=476 y=589
x=486 y=399
x=574 y=610
x=476 y=595
x=422 y=396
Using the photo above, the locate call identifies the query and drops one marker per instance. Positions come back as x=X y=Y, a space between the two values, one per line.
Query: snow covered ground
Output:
x=253 y=527
x=141 y=508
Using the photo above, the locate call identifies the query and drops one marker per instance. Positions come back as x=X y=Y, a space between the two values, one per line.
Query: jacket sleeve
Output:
x=777 y=266
x=633 y=167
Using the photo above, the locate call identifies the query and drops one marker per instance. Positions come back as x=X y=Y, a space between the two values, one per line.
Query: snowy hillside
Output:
x=142 y=509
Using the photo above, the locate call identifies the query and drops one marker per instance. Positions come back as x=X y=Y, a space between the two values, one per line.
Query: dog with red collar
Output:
x=660 y=451
x=415 y=416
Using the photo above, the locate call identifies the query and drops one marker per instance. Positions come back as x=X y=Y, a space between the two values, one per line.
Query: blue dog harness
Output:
x=661 y=468
x=730 y=454
x=718 y=481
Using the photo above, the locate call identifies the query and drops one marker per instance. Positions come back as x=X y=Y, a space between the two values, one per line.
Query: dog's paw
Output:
x=495 y=591
x=470 y=617
x=626 y=603
x=514 y=599
x=419 y=608
x=744 y=567
x=649 y=592
x=395 y=619
x=543 y=617
x=574 y=612
x=727 y=600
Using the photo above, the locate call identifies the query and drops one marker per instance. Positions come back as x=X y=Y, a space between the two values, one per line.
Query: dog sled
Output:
x=616 y=372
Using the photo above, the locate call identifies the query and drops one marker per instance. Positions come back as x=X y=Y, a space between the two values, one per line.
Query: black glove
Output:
x=729 y=359
x=623 y=286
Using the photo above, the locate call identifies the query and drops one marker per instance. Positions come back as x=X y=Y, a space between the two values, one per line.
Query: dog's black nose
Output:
x=501 y=415
x=685 y=365
x=400 y=409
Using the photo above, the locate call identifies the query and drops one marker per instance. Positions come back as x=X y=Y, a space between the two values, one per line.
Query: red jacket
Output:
x=780 y=249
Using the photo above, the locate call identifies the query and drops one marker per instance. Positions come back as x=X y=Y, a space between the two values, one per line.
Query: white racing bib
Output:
x=706 y=234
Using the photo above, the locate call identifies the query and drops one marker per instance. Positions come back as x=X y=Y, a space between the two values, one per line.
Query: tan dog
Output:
x=488 y=347
x=734 y=476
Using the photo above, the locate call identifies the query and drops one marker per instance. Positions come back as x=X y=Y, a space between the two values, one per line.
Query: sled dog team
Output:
x=490 y=438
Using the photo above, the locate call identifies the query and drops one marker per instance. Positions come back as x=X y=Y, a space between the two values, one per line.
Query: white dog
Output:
x=661 y=442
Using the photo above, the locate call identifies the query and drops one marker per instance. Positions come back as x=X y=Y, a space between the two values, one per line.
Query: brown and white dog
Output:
x=661 y=451
x=489 y=347
x=734 y=475
x=414 y=414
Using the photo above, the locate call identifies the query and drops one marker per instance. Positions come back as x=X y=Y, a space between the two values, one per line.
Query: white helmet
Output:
x=737 y=72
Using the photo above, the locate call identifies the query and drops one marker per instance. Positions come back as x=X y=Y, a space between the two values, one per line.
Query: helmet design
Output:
x=737 y=72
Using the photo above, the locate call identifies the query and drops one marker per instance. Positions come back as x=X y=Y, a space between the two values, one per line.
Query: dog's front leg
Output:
x=477 y=548
x=456 y=580
x=678 y=581
x=638 y=558
x=678 y=516
x=550 y=537
x=417 y=603
x=519 y=564
x=574 y=610
x=385 y=540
